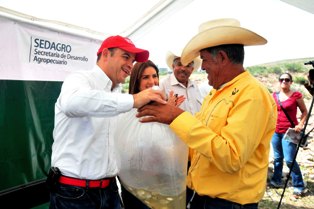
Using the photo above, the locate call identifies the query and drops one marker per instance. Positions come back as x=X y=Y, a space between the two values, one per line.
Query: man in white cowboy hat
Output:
x=231 y=134
x=180 y=83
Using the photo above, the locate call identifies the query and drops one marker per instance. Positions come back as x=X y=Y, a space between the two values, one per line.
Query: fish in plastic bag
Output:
x=153 y=162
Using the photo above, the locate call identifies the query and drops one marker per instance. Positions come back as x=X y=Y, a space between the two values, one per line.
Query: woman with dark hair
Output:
x=144 y=75
x=290 y=100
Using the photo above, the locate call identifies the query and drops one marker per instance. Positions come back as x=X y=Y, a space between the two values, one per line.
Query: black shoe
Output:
x=274 y=184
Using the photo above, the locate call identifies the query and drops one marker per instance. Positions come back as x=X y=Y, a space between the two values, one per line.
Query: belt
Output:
x=102 y=183
x=222 y=202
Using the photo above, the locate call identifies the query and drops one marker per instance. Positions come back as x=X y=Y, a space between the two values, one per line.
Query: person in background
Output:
x=230 y=135
x=144 y=75
x=283 y=149
x=83 y=161
x=180 y=83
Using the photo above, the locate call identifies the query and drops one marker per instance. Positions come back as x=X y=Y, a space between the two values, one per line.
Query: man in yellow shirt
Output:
x=231 y=133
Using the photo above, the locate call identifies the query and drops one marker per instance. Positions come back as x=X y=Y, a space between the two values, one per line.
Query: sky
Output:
x=289 y=30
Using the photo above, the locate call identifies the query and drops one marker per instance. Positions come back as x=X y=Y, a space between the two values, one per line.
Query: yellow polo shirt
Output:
x=230 y=137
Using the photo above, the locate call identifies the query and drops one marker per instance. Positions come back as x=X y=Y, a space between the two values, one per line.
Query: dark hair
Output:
x=235 y=52
x=137 y=72
x=111 y=53
x=286 y=73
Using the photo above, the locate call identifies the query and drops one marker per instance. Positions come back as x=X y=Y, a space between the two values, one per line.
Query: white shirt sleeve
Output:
x=80 y=97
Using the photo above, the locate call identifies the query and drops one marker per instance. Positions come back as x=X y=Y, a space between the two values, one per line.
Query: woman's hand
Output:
x=298 y=128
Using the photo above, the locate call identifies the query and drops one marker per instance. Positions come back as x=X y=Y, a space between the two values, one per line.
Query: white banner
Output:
x=31 y=52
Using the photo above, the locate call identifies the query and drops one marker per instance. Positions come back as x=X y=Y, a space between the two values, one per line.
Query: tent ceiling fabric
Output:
x=115 y=19
x=163 y=25
x=307 y=5
x=127 y=22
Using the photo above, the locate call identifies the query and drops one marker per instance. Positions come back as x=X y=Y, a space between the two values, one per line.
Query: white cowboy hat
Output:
x=219 y=32
x=170 y=57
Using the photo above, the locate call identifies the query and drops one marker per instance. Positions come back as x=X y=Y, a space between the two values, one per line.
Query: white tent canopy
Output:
x=162 y=25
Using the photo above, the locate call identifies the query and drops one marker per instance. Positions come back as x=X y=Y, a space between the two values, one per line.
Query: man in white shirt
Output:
x=180 y=83
x=83 y=157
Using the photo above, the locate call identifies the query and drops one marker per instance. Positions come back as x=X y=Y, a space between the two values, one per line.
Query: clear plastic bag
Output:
x=153 y=162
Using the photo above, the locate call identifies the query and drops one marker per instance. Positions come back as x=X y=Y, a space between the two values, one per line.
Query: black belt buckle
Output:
x=53 y=178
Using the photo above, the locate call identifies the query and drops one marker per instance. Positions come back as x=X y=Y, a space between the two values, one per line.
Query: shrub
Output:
x=276 y=70
x=299 y=80
x=257 y=70
x=293 y=67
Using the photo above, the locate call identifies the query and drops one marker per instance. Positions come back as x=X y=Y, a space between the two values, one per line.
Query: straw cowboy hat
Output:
x=219 y=32
x=170 y=57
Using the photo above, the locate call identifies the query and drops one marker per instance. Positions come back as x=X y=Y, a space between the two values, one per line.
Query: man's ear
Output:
x=223 y=57
x=105 y=53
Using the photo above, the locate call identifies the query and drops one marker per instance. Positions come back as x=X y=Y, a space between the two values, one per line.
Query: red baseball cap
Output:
x=126 y=44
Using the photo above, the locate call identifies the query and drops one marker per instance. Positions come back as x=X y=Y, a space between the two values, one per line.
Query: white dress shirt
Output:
x=204 y=88
x=85 y=123
x=193 y=99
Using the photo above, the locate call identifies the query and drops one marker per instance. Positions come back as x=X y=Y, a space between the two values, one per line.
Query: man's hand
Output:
x=174 y=99
x=148 y=95
x=157 y=112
